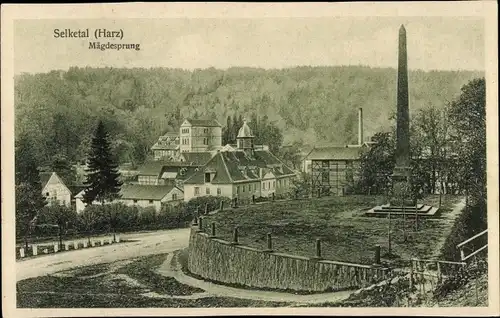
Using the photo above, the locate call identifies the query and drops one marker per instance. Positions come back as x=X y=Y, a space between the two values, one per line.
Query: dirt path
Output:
x=448 y=218
x=144 y=244
x=211 y=289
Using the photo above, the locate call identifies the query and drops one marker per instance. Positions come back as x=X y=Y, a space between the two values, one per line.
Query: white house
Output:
x=241 y=172
x=150 y=195
x=54 y=189
x=142 y=196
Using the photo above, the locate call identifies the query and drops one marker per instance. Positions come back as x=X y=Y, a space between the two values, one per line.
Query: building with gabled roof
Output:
x=241 y=172
x=54 y=189
x=196 y=158
x=200 y=135
x=160 y=172
x=167 y=146
x=142 y=196
x=150 y=195
x=334 y=169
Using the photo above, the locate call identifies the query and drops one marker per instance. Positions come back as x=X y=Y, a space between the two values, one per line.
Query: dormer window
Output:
x=207 y=177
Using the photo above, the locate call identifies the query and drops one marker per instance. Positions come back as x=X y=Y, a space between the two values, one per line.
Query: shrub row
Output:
x=98 y=219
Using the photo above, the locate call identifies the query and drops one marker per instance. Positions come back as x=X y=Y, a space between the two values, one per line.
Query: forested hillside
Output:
x=58 y=111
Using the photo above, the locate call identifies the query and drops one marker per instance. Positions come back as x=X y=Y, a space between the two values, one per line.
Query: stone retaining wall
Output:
x=218 y=260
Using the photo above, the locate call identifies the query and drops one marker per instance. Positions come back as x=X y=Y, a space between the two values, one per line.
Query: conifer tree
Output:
x=102 y=182
x=29 y=198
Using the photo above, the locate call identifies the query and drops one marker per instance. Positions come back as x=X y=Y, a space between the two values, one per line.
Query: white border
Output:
x=486 y=9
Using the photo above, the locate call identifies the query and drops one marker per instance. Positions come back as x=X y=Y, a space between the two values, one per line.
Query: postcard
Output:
x=246 y=158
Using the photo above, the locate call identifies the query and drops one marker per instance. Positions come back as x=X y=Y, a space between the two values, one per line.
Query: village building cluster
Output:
x=194 y=163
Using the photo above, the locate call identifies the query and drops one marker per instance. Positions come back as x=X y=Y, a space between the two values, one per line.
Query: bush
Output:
x=213 y=203
x=470 y=222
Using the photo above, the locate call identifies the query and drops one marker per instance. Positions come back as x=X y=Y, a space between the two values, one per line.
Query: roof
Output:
x=145 y=192
x=45 y=177
x=234 y=166
x=197 y=158
x=336 y=153
x=245 y=131
x=179 y=172
x=203 y=122
x=151 y=168
x=169 y=141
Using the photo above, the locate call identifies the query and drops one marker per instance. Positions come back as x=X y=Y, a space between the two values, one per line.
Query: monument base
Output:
x=402 y=202
x=409 y=211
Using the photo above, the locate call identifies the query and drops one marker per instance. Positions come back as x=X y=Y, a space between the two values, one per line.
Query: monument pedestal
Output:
x=402 y=202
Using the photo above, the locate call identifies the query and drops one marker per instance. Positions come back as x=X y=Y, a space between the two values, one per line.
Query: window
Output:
x=274 y=184
x=243 y=187
x=207 y=177
x=185 y=130
x=219 y=192
x=205 y=141
x=47 y=194
x=264 y=186
x=196 y=190
x=205 y=130
x=150 y=201
x=207 y=191
x=255 y=187
x=249 y=187
x=238 y=189
x=174 y=196
x=135 y=201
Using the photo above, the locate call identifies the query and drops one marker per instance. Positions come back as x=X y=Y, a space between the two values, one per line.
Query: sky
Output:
x=434 y=43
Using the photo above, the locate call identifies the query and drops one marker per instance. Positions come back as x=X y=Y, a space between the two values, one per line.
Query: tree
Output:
x=377 y=165
x=468 y=134
x=301 y=186
x=431 y=129
x=102 y=182
x=291 y=155
x=87 y=219
x=64 y=169
x=226 y=134
x=29 y=198
x=59 y=215
x=234 y=129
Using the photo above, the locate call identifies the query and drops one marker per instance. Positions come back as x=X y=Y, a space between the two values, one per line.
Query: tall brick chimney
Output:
x=360 y=126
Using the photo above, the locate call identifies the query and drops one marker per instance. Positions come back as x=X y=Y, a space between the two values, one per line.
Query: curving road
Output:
x=143 y=244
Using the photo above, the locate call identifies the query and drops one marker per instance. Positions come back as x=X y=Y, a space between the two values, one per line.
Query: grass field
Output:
x=133 y=284
x=345 y=233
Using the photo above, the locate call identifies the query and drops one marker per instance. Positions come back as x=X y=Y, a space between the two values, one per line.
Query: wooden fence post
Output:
x=235 y=236
x=213 y=230
x=318 y=248
x=200 y=224
x=377 y=255
x=269 y=243
x=438 y=271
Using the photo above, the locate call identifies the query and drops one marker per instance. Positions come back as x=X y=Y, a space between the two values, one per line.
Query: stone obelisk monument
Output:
x=402 y=200
x=401 y=178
